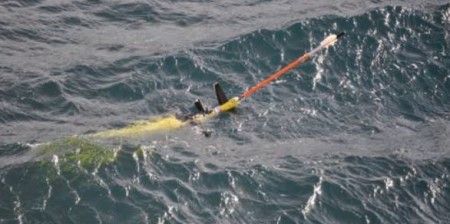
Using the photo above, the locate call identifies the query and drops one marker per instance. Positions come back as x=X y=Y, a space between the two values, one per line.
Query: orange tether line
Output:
x=274 y=76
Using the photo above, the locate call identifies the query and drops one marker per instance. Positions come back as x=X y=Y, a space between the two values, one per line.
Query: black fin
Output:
x=199 y=106
x=221 y=97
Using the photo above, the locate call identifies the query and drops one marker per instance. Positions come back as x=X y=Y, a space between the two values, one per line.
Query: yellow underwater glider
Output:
x=173 y=122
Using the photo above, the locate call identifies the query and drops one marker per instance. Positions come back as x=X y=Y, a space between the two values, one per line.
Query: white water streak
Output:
x=55 y=161
x=17 y=205
x=389 y=183
x=320 y=71
x=228 y=203
x=49 y=194
x=312 y=200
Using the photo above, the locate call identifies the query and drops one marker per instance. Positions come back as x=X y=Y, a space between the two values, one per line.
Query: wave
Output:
x=357 y=135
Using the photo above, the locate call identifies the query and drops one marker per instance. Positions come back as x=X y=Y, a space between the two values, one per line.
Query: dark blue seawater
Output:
x=360 y=134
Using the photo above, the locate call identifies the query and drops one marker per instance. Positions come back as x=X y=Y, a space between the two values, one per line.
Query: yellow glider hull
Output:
x=163 y=124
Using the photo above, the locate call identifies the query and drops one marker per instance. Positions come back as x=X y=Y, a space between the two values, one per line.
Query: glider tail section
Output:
x=221 y=99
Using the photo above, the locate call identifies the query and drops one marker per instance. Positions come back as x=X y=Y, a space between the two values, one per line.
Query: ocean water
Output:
x=359 y=134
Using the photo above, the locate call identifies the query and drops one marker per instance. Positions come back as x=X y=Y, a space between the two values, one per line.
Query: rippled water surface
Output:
x=360 y=134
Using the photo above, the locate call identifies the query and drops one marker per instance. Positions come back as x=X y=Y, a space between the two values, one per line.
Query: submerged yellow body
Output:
x=143 y=127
